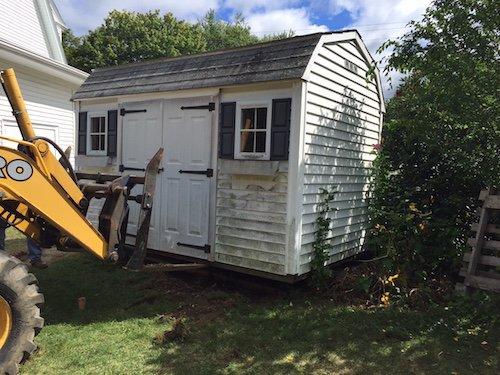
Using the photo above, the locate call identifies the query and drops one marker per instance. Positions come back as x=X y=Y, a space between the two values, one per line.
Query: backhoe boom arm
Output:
x=39 y=196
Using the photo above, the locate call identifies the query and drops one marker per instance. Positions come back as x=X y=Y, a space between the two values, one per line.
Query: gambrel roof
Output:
x=279 y=60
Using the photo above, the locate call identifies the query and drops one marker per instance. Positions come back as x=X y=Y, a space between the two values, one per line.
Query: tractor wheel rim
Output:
x=5 y=321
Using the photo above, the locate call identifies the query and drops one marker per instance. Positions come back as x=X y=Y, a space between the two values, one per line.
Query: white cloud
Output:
x=351 y=6
x=82 y=15
x=380 y=20
x=296 y=19
x=246 y=7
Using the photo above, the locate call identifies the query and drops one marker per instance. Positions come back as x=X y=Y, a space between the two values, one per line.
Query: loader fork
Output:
x=146 y=210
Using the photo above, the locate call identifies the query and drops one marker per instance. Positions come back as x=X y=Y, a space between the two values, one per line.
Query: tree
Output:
x=441 y=141
x=130 y=36
x=219 y=34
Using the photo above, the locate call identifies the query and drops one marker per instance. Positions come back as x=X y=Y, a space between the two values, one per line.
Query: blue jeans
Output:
x=34 y=251
x=2 y=238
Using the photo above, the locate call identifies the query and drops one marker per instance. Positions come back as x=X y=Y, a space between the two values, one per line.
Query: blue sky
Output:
x=376 y=20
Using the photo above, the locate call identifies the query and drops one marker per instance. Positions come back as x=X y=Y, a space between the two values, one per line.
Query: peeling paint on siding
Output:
x=251 y=215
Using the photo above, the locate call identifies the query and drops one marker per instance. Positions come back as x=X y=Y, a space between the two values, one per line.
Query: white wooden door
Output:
x=141 y=138
x=186 y=196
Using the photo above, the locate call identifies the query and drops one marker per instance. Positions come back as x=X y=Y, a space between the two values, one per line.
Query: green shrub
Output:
x=441 y=138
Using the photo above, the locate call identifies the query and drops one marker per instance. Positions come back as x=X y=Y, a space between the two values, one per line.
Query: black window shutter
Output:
x=112 y=132
x=280 y=129
x=82 y=133
x=226 y=130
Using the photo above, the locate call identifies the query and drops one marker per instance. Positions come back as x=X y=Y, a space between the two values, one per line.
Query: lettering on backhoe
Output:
x=17 y=169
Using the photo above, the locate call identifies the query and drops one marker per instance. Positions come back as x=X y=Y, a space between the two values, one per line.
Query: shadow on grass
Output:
x=283 y=333
x=306 y=338
x=111 y=293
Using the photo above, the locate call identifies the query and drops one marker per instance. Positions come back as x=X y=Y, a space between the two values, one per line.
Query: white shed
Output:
x=250 y=136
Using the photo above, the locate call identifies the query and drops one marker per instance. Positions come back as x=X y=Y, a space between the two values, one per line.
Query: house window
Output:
x=97 y=134
x=253 y=138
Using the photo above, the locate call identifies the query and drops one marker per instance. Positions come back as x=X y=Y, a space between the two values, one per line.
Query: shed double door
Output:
x=180 y=219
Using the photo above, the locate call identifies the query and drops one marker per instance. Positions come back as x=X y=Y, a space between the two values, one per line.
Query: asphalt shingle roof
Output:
x=273 y=61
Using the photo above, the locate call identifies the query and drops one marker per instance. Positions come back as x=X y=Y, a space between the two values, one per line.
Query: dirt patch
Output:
x=178 y=332
x=201 y=299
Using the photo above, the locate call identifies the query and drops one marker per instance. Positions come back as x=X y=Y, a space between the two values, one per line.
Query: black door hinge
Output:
x=124 y=111
x=209 y=172
x=123 y=168
x=205 y=248
x=210 y=106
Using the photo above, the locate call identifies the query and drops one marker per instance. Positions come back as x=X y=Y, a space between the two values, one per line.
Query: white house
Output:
x=250 y=136
x=30 y=42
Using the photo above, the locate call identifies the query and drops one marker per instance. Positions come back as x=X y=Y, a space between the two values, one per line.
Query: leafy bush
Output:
x=321 y=246
x=441 y=138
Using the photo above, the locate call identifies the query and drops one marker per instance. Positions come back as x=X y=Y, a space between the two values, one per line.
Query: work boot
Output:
x=38 y=263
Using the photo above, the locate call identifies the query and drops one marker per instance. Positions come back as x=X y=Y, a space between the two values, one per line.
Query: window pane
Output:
x=103 y=143
x=247 y=139
x=260 y=142
x=261 y=118
x=94 y=121
x=94 y=142
x=248 y=118
x=103 y=125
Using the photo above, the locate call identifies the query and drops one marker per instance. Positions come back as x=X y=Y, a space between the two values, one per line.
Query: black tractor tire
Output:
x=19 y=289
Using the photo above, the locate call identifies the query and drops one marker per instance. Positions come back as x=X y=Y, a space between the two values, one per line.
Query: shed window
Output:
x=253 y=139
x=97 y=134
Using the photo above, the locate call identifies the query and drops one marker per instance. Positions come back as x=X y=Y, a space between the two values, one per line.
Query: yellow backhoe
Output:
x=42 y=197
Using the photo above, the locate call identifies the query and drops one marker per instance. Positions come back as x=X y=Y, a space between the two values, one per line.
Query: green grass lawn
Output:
x=221 y=329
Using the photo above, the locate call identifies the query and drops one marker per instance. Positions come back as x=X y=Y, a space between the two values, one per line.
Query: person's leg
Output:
x=35 y=254
x=2 y=238
x=34 y=251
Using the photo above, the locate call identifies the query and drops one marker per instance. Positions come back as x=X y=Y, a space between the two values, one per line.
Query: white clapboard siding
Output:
x=20 y=25
x=49 y=107
x=342 y=124
x=251 y=221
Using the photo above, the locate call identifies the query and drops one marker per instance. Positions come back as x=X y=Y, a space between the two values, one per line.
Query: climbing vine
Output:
x=321 y=245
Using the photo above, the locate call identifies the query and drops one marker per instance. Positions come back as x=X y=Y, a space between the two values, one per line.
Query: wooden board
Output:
x=493 y=202
x=174 y=267
x=490 y=228
x=486 y=260
x=489 y=244
x=481 y=270
x=483 y=282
